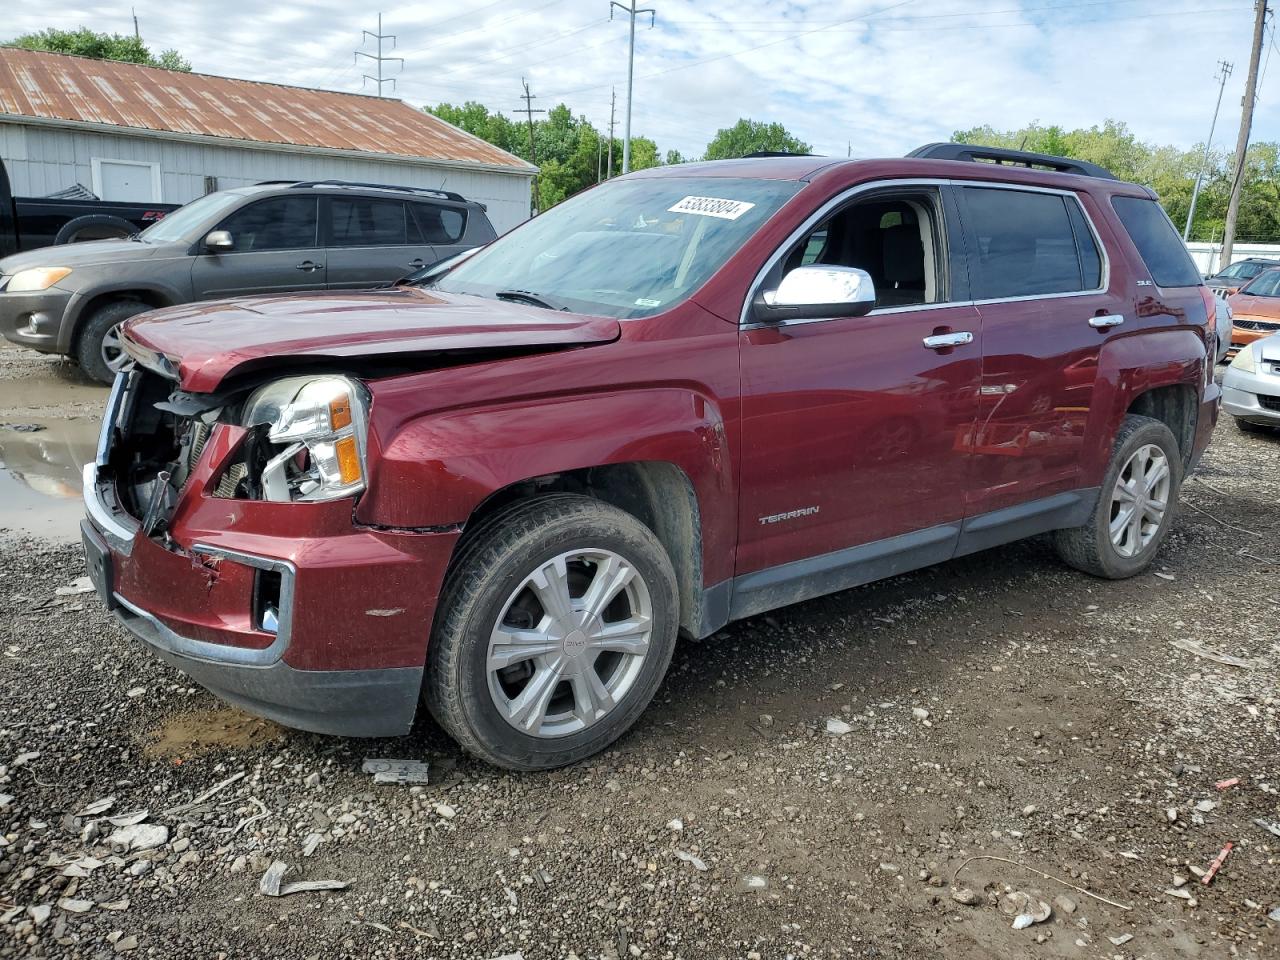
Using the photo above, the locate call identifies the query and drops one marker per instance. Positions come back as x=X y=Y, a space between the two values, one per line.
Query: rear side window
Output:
x=439 y=224
x=1158 y=243
x=1028 y=244
x=366 y=222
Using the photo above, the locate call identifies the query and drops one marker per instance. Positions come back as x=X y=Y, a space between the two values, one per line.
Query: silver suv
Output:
x=275 y=237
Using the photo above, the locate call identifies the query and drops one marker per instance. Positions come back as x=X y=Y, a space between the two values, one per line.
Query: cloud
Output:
x=874 y=76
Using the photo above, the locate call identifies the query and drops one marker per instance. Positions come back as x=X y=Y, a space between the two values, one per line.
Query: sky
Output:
x=870 y=77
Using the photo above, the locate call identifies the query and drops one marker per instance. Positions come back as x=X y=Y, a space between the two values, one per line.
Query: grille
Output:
x=1255 y=324
x=1271 y=403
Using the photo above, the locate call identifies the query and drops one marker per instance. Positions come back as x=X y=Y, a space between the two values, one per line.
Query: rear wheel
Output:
x=555 y=627
x=99 y=350
x=1135 y=505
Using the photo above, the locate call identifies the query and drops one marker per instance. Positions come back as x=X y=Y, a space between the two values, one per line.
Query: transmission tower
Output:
x=378 y=58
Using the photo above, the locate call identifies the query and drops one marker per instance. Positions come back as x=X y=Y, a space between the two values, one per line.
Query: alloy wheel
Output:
x=112 y=350
x=1140 y=500
x=570 y=643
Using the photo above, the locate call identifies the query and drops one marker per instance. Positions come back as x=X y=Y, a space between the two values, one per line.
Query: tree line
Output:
x=1169 y=170
x=574 y=155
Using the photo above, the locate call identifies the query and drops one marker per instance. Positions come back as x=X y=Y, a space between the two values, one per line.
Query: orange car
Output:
x=1255 y=309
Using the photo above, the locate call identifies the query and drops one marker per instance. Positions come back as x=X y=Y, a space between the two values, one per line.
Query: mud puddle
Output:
x=40 y=465
x=202 y=732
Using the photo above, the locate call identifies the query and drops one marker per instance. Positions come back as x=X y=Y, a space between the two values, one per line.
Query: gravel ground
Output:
x=1000 y=706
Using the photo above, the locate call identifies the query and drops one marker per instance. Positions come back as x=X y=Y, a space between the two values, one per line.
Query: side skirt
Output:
x=800 y=580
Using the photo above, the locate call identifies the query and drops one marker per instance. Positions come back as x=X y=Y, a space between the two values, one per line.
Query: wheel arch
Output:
x=657 y=493
x=1176 y=406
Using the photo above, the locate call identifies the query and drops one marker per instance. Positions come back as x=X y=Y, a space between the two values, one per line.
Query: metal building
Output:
x=129 y=132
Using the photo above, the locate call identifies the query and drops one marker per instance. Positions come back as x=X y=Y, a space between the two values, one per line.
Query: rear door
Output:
x=276 y=250
x=1049 y=302
x=372 y=241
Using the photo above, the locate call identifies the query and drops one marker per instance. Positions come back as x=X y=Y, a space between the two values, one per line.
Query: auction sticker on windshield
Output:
x=712 y=207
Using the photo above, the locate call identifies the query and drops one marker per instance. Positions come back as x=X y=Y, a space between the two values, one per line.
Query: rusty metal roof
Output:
x=57 y=87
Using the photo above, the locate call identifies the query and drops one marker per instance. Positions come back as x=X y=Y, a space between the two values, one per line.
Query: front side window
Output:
x=894 y=238
x=628 y=248
x=278 y=223
x=1027 y=244
x=366 y=222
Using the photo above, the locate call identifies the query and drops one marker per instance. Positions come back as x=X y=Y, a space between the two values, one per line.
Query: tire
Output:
x=1091 y=548
x=94 y=226
x=93 y=349
x=488 y=586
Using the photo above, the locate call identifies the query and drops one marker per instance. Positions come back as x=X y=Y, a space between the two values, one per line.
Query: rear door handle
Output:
x=940 y=341
x=308 y=265
x=1110 y=320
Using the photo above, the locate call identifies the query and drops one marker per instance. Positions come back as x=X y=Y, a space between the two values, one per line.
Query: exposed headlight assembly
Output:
x=310 y=439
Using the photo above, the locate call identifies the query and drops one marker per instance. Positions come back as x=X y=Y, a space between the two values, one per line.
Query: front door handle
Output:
x=940 y=341
x=1109 y=320
x=308 y=266
x=417 y=264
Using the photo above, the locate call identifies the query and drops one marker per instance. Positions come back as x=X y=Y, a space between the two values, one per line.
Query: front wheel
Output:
x=99 y=350
x=1135 y=504
x=556 y=625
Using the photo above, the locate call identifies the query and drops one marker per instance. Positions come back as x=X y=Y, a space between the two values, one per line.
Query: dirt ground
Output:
x=1000 y=707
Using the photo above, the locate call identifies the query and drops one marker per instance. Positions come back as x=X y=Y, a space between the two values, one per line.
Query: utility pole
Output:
x=136 y=34
x=528 y=111
x=379 y=59
x=613 y=96
x=1224 y=71
x=1242 y=142
x=631 y=12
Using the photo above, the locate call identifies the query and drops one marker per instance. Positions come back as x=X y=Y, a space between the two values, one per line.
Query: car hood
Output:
x=203 y=344
x=1247 y=305
x=88 y=253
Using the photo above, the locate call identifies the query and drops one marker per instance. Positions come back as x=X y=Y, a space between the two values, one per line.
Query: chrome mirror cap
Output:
x=219 y=240
x=815 y=292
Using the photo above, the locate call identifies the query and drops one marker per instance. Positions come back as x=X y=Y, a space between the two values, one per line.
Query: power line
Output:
x=379 y=59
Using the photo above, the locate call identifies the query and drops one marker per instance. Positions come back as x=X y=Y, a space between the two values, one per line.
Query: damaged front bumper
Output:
x=289 y=610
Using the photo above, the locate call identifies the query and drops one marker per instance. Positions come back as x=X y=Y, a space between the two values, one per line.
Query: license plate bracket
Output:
x=97 y=558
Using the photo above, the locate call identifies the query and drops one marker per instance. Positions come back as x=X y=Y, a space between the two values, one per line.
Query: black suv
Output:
x=274 y=237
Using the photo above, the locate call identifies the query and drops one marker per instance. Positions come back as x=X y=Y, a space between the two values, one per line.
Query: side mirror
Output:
x=817 y=292
x=219 y=240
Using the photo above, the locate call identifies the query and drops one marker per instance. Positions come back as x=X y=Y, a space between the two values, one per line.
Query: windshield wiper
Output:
x=526 y=296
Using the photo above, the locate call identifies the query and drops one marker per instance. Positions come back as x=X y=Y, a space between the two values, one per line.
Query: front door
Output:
x=855 y=430
x=1040 y=283
x=276 y=249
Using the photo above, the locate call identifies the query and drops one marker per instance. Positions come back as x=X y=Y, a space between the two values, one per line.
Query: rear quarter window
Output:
x=1158 y=243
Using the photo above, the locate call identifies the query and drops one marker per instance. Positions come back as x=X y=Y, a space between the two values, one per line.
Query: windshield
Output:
x=1243 y=270
x=179 y=224
x=1266 y=285
x=628 y=248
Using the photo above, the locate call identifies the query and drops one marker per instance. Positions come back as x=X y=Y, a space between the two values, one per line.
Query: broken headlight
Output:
x=308 y=438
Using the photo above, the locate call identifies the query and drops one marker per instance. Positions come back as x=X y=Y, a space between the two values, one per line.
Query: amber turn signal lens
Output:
x=348 y=460
x=340 y=412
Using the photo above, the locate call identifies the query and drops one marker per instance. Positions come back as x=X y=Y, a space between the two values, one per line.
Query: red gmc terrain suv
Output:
x=687 y=396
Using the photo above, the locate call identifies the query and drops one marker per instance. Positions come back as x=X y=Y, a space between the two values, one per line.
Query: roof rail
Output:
x=426 y=191
x=1003 y=157
x=774 y=153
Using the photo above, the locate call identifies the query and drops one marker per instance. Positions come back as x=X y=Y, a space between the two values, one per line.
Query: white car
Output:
x=1251 y=385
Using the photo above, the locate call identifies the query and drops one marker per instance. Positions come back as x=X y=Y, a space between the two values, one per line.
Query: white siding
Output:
x=41 y=160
